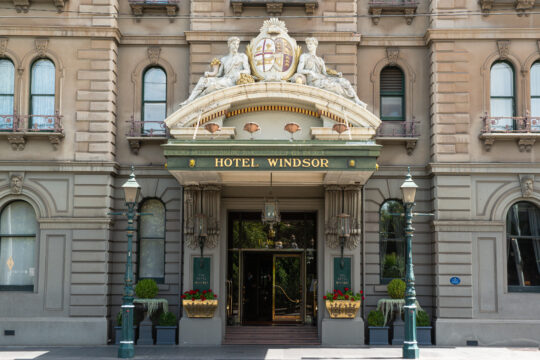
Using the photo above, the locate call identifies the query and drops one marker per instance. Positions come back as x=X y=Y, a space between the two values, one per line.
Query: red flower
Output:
x=346 y=297
x=346 y=289
x=192 y=292
x=209 y=290
x=340 y=293
x=361 y=292
x=324 y=297
x=215 y=296
x=183 y=296
x=362 y=298
x=192 y=299
x=335 y=297
x=352 y=299
x=203 y=298
x=204 y=291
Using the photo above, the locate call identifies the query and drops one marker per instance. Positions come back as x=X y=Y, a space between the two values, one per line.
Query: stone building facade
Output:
x=466 y=123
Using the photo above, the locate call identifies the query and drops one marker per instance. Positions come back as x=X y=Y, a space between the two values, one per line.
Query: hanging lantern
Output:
x=271 y=212
x=200 y=226
x=344 y=225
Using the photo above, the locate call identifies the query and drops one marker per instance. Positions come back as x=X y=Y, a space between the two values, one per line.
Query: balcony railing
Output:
x=140 y=131
x=405 y=7
x=524 y=129
x=19 y=127
x=404 y=132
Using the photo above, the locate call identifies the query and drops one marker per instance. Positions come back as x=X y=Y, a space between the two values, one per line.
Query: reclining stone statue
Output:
x=230 y=70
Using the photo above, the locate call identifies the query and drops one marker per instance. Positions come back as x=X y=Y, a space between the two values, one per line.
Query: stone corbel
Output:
x=274 y=9
x=171 y=11
x=524 y=5
x=21 y=5
x=488 y=142
x=392 y=54
x=310 y=8
x=134 y=146
x=54 y=139
x=17 y=141
x=409 y=15
x=237 y=8
x=137 y=10
x=376 y=16
x=60 y=4
x=526 y=144
x=486 y=6
x=410 y=145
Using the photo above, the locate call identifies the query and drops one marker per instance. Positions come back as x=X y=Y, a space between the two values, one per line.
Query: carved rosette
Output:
x=202 y=200
x=343 y=199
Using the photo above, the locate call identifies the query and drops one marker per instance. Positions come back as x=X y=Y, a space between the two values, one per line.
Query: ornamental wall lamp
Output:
x=344 y=232
x=270 y=214
x=201 y=232
x=291 y=128
x=252 y=128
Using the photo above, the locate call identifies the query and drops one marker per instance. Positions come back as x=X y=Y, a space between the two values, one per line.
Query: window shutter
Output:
x=391 y=80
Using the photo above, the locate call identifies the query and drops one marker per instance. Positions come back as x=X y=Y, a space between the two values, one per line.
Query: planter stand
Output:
x=145 y=332
x=398 y=333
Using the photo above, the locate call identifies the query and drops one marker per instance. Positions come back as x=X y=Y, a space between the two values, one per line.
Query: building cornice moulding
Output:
x=211 y=36
x=60 y=32
x=467 y=225
x=152 y=40
x=393 y=40
x=483 y=168
x=60 y=166
x=480 y=34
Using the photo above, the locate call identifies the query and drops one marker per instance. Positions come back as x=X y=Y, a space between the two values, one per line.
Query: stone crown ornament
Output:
x=273 y=54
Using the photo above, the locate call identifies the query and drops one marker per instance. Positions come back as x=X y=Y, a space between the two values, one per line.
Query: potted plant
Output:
x=378 y=333
x=199 y=304
x=343 y=305
x=146 y=291
x=396 y=290
x=423 y=328
x=166 y=329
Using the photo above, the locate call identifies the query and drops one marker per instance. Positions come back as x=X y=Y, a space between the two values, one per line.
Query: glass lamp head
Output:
x=131 y=188
x=408 y=189
x=344 y=225
x=271 y=212
x=201 y=225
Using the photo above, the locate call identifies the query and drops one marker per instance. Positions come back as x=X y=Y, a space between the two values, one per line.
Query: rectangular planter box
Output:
x=165 y=335
x=423 y=335
x=118 y=334
x=378 y=335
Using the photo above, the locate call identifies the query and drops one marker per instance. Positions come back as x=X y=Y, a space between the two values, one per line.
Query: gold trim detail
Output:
x=343 y=309
x=273 y=108
x=199 y=308
x=10 y=263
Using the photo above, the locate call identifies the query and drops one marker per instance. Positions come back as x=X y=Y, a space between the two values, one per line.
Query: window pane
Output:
x=18 y=218
x=43 y=76
x=42 y=105
x=505 y=108
x=17 y=252
x=523 y=262
x=535 y=79
x=155 y=84
x=392 y=106
x=153 y=225
x=152 y=240
x=535 y=112
x=392 y=240
x=502 y=80
x=154 y=112
x=6 y=108
x=7 y=74
x=152 y=258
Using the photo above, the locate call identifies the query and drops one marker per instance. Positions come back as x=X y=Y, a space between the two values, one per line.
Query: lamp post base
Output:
x=126 y=351
x=411 y=351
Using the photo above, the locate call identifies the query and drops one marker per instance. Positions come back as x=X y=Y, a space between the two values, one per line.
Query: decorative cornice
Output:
x=480 y=34
x=58 y=31
x=222 y=36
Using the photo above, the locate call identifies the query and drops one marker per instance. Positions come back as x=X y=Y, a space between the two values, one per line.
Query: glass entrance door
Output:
x=287 y=288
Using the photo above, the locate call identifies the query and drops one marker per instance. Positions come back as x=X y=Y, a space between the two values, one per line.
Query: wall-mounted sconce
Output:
x=340 y=128
x=344 y=232
x=251 y=128
x=291 y=128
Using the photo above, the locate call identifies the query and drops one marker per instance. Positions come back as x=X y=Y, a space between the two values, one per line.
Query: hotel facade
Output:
x=311 y=109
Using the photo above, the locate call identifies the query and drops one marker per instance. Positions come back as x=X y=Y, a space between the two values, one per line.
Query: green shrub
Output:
x=119 y=319
x=167 y=319
x=146 y=289
x=422 y=318
x=396 y=289
x=375 y=318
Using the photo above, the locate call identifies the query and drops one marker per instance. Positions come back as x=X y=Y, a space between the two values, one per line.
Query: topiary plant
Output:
x=375 y=318
x=167 y=319
x=422 y=318
x=146 y=289
x=396 y=289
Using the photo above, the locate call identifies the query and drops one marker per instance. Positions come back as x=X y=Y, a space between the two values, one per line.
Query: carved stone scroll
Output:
x=347 y=199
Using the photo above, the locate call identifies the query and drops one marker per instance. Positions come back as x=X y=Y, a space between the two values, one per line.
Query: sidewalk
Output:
x=267 y=353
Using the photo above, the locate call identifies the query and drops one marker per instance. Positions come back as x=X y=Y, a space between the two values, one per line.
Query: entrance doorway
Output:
x=272 y=280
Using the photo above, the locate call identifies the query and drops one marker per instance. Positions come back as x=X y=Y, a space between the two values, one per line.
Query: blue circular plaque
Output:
x=454 y=280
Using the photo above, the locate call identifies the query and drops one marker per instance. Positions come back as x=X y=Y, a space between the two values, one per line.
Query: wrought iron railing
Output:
x=510 y=124
x=398 y=129
x=394 y=3
x=31 y=123
x=139 y=128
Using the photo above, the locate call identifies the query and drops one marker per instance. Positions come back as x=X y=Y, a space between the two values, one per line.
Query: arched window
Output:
x=7 y=89
x=392 y=240
x=152 y=240
x=502 y=95
x=523 y=247
x=18 y=227
x=535 y=95
x=392 y=89
x=154 y=104
x=42 y=95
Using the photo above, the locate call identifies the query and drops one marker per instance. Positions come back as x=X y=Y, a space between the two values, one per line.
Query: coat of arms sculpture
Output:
x=273 y=55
